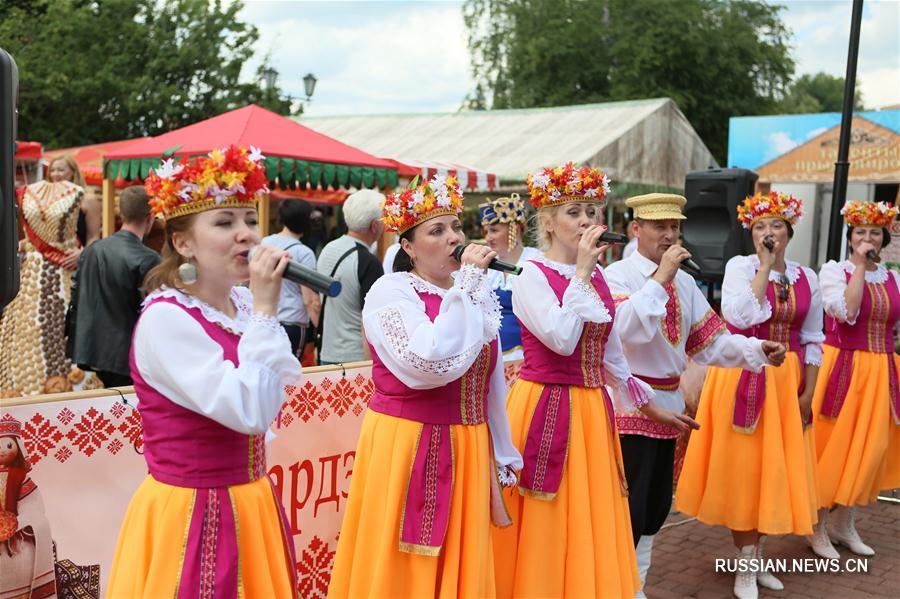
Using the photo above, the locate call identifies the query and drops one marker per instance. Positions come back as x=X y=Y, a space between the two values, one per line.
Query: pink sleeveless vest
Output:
x=873 y=332
x=463 y=401
x=584 y=368
x=784 y=327
x=426 y=510
x=186 y=449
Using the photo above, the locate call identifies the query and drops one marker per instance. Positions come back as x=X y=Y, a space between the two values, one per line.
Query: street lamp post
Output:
x=270 y=76
x=309 y=85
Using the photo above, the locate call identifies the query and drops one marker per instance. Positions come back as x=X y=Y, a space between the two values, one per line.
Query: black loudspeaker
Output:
x=711 y=232
x=9 y=230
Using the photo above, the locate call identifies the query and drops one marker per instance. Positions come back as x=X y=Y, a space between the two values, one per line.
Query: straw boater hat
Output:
x=505 y=211
x=563 y=184
x=232 y=177
x=657 y=206
x=420 y=202
x=869 y=214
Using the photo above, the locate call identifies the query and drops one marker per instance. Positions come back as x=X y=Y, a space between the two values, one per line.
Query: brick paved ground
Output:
x=684 y=561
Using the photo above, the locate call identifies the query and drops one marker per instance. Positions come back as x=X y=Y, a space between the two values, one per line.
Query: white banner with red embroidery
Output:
x=83 y=460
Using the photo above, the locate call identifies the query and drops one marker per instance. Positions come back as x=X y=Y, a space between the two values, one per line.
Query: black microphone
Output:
x=871 y=255
x=306 y=276
x=610 y=237
x=769 y=242
x=496 y=264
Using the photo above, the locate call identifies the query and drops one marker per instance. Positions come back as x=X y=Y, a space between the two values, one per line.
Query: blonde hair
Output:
x=166 y=272
x=541 y=234
x=69 y=159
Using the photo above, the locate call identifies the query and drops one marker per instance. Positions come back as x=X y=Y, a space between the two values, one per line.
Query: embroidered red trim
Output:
x=704 y=333
x=641 y=425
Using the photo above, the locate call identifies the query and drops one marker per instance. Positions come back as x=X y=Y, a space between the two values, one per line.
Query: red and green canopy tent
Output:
x=296 y=157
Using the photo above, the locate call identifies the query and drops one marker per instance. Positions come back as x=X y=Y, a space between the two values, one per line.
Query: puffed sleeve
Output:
x=833 y=282
x=188 y=367
x=710 y=343
x=619 y=373
x=425 y=354
x=638 y=316
x=557 y=326
x=811 y=332
x=739 y=305
x=505 y=452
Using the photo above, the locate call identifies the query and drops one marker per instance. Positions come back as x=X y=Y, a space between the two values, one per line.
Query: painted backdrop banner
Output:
x=87 y=460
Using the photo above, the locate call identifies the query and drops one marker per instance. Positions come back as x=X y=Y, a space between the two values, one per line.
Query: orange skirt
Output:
x=369 y=563
x=150 y=551
x=764 y=480
x=578 y=544
x=858 y=454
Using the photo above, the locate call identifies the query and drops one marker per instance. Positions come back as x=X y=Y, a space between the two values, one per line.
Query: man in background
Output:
x=110 y=274
x=298 y=304
x=349 y=260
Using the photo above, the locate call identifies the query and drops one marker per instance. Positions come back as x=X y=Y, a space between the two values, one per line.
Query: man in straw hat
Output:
x=662 y=318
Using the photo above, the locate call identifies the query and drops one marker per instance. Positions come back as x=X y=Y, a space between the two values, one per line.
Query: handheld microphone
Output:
x=871 y=255
x=306 y=276
x=769 y=242
x=690 y=267
x=610 y=237
x=496 y=264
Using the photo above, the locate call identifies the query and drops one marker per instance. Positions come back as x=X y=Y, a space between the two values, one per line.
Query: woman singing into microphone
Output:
x=435 y=444
x=209 y=362
x=751 y=466
x=571 y=535
x=857 y=397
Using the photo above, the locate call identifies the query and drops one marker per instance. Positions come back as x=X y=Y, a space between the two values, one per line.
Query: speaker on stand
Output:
x=711 y=232
x=9 y=220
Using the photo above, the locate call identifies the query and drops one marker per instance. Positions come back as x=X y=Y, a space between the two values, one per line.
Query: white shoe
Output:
x=745 y=581
x=820 y=543
x=843 y=531
x=644 y=551
x=764 y=578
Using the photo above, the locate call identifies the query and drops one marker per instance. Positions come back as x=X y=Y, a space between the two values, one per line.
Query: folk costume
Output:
x=26 y=545
x=660 y=327
x=571 y=535
x=435 y=445
x=857 y=400
x=511 y=212
x=206 y=521
x=32 y=328
x=751 y=465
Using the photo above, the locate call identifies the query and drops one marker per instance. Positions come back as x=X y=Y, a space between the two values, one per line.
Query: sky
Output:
x=400 y=56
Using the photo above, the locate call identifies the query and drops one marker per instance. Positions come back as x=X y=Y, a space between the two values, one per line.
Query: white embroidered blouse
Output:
x=559 y=326
x=175 y=356
x=741 y=308
x=833 y=280
x=424 y=355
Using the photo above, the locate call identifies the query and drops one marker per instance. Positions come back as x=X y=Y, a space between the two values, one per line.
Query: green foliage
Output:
x=716 y=59
x=818 y=93
x=100 y=70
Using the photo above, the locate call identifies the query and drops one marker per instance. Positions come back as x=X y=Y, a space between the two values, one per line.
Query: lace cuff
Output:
x=507 y=476
x=475 y=283
x=267 y=322
x=587 y=298
x=812 y=354
x=640 y=396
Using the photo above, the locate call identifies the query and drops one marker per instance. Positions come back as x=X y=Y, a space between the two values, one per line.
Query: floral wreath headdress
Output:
x=770 y=205
x=232 y=177
x=869 y=214
x=508 y=211
x=420 y=202
x=563 y=184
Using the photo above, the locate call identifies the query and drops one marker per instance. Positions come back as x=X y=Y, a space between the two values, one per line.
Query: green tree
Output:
x=100 y=70
x=818 y=93
x=716 y=59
